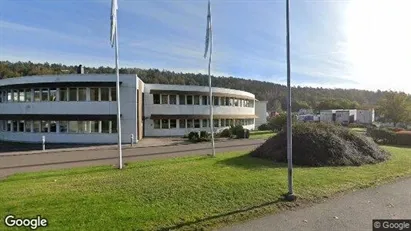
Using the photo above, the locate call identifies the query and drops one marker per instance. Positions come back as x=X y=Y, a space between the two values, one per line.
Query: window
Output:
x=15 y=129
x=63 y=94
x=53 y=94
x=27 y=126
x=9 y=96
x=231 y=102
x=182 y=99
x=21 y=126
x=53 y=126
x=63 y=126
x=15 y=95
x=114 y=126
x=105 y=126
x=9 y=125
x=72 y=94
x=36 y=126
x=1 y=97
x=216 y=123
x=104 y=94
x=164 y=99
x=173 y=123
x=82 y=94
x=190 y=124
x=196 y=100
x=189 y=99
x=222 y=101
x=94 y=94
x=227 y=122
x=156 y=99
x=73 y=126
x=223 y=123
x=182 y=123
x=204 y=100
x=227 y=101
x=236 y=102
x=22 y=96
x=205 y=124
x=164 y=124
x=173 y=99
x=28 y=95
x=44 y=94
x=45 y=126
x=197 y=123
x=113 y=94
x=157 y=124
x=94 y=126
x=216 y=99
x=83 y=127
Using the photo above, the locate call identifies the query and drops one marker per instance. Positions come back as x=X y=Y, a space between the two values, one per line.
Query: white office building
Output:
x=82 y=108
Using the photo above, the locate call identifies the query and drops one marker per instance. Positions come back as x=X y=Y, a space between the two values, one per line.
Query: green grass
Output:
x=184 y=193
x=261 y=134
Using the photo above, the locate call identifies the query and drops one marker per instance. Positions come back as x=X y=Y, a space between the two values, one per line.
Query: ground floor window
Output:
x=190 y=124
x=205 y=123
x=157 y=124
x=182 y=123
x=164 y=124
x=196 y=123
x=216 y=123
x=173 y=124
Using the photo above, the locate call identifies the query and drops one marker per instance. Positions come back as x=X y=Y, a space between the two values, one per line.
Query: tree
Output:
x=279 y=122
x=395 y=107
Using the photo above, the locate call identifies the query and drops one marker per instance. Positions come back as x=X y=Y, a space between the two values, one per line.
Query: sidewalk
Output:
x=353 y=211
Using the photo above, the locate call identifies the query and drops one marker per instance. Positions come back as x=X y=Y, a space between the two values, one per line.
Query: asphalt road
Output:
x=353 y=211
x=10 y=164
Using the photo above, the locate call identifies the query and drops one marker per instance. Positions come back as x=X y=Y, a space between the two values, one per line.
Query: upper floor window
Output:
x=94 y=94
x=15 y=95
x=216 y=100
x=113 y=94
x=63 y=94
x=44 y=94
x=173 y=99
x=156 y=99
x=37 y=96
x=104 y=94
x=189 y=99
x=22 y=96
x=28 y=95
x=196 y=100
x=164 y=99
x=72 y=94
x=182 y=99
x=204 y=100
x=82 y=94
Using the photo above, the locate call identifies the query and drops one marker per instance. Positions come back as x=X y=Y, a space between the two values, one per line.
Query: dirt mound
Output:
x=320 y=144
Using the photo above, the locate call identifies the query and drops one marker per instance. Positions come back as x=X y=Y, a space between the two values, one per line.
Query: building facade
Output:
x=82 y=108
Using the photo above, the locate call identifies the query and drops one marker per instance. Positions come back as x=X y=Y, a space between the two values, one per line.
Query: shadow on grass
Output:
x=249 y=162
x=223 y=215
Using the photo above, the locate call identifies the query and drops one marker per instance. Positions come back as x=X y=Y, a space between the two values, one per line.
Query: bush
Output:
x=355 y=125
x=320 y=144
x=237 y=131
x=264 y=127
x=403 y=138
x=382 y=136
x=226 y=133
x=203 y=134
x=193 y=137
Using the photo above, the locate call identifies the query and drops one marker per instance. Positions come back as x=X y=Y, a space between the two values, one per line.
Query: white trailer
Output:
x=366 y=116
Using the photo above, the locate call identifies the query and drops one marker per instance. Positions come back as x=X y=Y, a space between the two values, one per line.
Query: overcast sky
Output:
x=362 y=44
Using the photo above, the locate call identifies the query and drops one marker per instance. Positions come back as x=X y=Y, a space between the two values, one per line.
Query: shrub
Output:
x=193 y=137
x=203 y=134
x=355 y=125
x=320 y=144
x=382 y=136
x=264 y=127
x=226 y=133
x=403 y=138
x=237 y=131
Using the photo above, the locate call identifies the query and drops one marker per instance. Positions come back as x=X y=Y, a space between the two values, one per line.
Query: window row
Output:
x=59 y=94
x=199 y=123
x=201 y=100
x=44 y=126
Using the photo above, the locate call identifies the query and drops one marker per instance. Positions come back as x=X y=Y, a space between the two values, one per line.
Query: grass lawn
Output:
x=261 y=134
x=182 y=193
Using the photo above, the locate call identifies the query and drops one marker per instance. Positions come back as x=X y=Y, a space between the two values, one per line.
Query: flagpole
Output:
x=120 y=152
x=211 y=94
x=290 y=196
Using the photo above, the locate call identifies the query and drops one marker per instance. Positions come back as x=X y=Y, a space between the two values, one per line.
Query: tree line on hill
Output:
x=275 y=94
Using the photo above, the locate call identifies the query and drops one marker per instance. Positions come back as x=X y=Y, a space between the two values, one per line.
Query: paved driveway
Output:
x=10 y=164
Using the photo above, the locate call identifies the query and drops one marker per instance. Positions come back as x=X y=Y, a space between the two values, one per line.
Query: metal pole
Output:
x=290 y=195
x=131 y=140
x=43 y=139
x=118 y=102
x=211 y=91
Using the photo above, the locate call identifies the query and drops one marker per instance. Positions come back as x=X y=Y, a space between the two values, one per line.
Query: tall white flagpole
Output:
x=114 y=9
x=290 y=195
x=209 y=43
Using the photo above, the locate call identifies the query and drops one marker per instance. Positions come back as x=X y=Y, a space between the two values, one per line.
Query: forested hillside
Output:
x=275 y=94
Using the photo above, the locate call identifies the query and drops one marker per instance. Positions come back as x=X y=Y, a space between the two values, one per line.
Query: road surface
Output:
x=10 y=164
x=353 y=211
